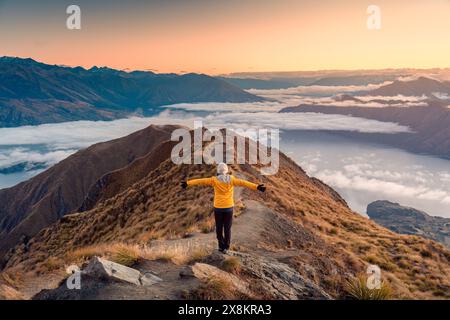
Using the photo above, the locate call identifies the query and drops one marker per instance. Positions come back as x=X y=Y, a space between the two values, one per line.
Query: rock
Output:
x=205 y=272
x=186 y=272
x=148 y=279
x=105 y=269
x=280 y=280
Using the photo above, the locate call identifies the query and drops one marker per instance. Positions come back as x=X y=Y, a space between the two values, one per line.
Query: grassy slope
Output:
x=330 y=237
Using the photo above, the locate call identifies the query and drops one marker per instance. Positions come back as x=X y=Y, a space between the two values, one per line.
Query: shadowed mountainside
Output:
x=34 y=204
x=406 y=220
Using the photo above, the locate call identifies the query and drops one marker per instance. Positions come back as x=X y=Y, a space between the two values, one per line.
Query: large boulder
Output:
x=278 y=279
x=105 y=269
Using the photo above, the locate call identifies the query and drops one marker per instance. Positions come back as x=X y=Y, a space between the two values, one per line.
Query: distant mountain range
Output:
x=406 y=220
x=429 y=122
x=34 y=93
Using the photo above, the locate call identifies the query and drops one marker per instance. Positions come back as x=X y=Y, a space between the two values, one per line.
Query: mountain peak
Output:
x=412 y=87
x=18 y=60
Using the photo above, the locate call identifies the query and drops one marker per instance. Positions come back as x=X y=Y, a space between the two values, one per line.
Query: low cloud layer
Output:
x=303 y=121
x=315 y=90
x=365 y=173
x=80 y=134
x=13 y=156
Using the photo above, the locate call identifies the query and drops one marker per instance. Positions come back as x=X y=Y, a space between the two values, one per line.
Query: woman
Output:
x=223 y=185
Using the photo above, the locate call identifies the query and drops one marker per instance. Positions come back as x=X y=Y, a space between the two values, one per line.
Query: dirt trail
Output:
x=246 y=232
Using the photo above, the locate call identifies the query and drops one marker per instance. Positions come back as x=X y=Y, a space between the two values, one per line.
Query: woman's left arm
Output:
x=244 y=183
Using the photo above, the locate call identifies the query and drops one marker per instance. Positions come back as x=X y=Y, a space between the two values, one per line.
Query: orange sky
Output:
x=230 y=36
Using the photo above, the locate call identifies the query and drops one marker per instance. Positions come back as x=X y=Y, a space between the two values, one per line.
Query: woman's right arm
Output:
x=200 y=182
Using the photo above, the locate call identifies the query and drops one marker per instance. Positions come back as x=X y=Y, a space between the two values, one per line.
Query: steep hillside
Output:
x=408 y=220
x=32 y=205
x=33 y=93
x=306 y=231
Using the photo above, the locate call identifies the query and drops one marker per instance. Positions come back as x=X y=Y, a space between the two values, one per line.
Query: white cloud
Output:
x=229 y=107
x=10 y=157
x=315 y=90
x=391 y=98
x=382 y=186
x=302 y=121
x=441 y=95
x=76 y=134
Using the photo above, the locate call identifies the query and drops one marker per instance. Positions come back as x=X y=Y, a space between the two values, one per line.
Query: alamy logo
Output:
x=73 y=21
x=374 y=277
x=263 y=149
x=73 y=282
x=374 y=18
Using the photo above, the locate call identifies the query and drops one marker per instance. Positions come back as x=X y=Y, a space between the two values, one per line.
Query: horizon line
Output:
x=235 y=73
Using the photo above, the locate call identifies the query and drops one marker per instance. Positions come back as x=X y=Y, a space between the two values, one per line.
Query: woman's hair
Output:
x=222 y=168
x=222 y=173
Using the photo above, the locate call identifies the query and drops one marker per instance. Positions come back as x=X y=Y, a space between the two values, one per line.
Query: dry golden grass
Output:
x=214 y=289
x=357 y=289
x=122 y=253
x=9 y=293
x=11 y=279
x=126 y=255
x=129 y=255
x=232 y=265
x=177 y=254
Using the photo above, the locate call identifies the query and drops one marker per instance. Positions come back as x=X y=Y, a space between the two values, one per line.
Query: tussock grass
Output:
x=124 y=254
x=357 y=289
x=52 y=263
x=232 y=265
x=11 y=279
x=214 y=289
x=177 y=254
x=130 y=254
x=9 y=293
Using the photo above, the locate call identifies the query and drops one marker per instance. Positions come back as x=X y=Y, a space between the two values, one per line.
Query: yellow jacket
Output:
x=223 y=192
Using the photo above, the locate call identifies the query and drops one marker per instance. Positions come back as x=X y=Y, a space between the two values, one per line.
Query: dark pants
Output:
x=224 y=220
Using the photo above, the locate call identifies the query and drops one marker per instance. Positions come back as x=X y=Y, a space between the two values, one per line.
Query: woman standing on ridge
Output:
x=223 y=184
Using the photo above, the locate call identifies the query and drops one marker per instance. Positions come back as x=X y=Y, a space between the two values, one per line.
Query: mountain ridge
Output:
x=33 y=93
x=312 y=231
x=42 y=200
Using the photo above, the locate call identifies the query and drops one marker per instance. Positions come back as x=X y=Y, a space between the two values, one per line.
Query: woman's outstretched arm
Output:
x=200 y=182
x=244 y=183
